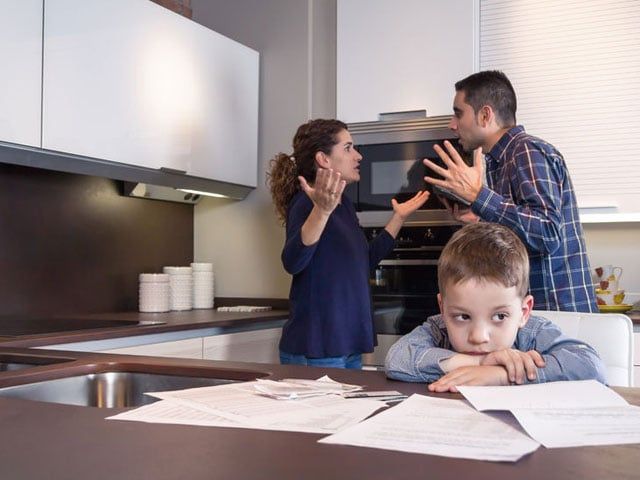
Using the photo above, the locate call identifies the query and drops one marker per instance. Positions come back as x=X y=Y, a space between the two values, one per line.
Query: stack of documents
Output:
x=292 y=388
x=437 y=426
x=244 y=405
x=564 y=414
x=556 y=414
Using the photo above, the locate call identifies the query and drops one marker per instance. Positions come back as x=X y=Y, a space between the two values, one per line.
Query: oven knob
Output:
x=429 y=236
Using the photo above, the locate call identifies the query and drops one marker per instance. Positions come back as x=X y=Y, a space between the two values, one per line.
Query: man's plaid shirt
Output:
x=529 y=190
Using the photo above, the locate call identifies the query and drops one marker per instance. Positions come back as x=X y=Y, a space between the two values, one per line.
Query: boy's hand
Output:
x=517 y=363
x=495 y=375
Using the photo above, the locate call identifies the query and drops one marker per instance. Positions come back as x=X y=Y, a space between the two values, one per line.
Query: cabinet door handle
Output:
x=173 y=170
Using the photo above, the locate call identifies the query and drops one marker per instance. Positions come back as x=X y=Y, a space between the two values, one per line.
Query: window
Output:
x=575 y=66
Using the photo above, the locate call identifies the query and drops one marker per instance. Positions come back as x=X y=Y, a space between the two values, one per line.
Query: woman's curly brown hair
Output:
x=315 y=136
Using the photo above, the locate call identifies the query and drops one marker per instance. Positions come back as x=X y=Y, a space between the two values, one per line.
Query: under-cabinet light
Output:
x=208 y=194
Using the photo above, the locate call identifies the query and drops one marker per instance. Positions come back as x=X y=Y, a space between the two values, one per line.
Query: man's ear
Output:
x=527 y=306
x=322 y=160
x=486 y=116
x=440 y=302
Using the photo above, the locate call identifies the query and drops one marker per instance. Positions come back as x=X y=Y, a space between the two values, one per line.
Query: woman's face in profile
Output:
x=344 y=158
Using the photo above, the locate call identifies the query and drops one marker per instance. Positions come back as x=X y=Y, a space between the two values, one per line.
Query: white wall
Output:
x=296 y=41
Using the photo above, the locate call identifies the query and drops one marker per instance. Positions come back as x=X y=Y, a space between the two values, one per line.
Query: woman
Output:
x=331 y=322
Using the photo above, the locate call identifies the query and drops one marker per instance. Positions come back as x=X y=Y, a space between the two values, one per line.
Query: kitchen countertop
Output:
x=173 y=322
x=46 y=440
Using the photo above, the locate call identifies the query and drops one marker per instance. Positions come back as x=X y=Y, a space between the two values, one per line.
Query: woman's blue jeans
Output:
x=353 y=361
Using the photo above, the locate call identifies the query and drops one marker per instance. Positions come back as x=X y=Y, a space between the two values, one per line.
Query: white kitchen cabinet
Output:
x=21 y=61
x=141 y=85
x=189 y=348
x=259 y=346
x=396 y=56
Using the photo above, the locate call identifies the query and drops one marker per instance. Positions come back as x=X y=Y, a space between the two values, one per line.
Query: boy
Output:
x=484 y=334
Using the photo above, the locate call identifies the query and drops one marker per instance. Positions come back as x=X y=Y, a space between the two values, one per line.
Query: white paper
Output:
x=566 y=427
x=564 y=414
x=166 y=411
x=449 y=428
x=575 y=394
x=326 y=420
x=290 y=389
x=239 y=405
x=325 y=382
x=319 y=420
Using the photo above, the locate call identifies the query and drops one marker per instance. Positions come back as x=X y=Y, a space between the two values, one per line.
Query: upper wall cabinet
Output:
x=397 y=56
x=132 y=82
x=21 y=61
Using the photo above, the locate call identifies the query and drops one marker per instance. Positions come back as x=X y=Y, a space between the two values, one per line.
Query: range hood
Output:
x=142 y=182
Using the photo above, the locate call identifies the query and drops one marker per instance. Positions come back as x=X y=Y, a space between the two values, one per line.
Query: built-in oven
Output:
x=404 y=286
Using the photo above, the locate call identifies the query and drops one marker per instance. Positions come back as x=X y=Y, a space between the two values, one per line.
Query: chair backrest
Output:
x=611 y=334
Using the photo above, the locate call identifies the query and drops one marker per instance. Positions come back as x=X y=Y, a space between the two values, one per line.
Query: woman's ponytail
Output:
x=282 y=180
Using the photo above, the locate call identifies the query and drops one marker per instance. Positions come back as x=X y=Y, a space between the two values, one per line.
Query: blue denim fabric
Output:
x=353 y=361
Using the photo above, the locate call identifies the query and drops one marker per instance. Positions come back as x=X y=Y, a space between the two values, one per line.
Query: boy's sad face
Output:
x=483 y=316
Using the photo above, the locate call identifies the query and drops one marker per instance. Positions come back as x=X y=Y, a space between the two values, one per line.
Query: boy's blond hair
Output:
x=484 y=251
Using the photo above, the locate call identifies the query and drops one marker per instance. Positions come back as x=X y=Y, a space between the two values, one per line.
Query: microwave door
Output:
x=393 y=170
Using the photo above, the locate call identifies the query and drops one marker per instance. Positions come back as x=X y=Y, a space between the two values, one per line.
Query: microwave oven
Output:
x=392 y=167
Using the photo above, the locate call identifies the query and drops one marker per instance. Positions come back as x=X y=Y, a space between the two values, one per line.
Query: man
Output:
x=528 y=190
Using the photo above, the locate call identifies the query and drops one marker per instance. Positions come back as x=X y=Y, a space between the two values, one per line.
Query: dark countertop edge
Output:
x=175 y=322
x=77 y=363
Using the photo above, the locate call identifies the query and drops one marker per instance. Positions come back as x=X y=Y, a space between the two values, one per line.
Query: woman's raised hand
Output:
x=405 y=209
x=326 y=190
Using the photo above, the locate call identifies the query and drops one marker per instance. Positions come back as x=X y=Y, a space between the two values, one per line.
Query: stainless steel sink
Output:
x=114 y=389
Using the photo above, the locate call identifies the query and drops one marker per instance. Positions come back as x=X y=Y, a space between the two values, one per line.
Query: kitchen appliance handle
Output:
x=410 y=261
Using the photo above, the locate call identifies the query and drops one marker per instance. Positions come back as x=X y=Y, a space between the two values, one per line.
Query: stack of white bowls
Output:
x=154 y=292
x=181 y=286
x=203 y=285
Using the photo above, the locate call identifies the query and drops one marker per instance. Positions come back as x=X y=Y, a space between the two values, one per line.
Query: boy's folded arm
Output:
x=567 y=358
x=410 y=365
x=459 y=360
x=572 y=361
x=416 y=358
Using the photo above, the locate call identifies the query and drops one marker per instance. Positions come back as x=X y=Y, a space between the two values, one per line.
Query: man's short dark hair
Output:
x=493 y=88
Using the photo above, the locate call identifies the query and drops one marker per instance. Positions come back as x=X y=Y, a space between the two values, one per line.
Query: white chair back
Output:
x=610 y=334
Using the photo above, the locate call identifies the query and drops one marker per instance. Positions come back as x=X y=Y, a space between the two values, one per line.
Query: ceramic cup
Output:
x=608 y=276
x=610 y=297
x=609 y=272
